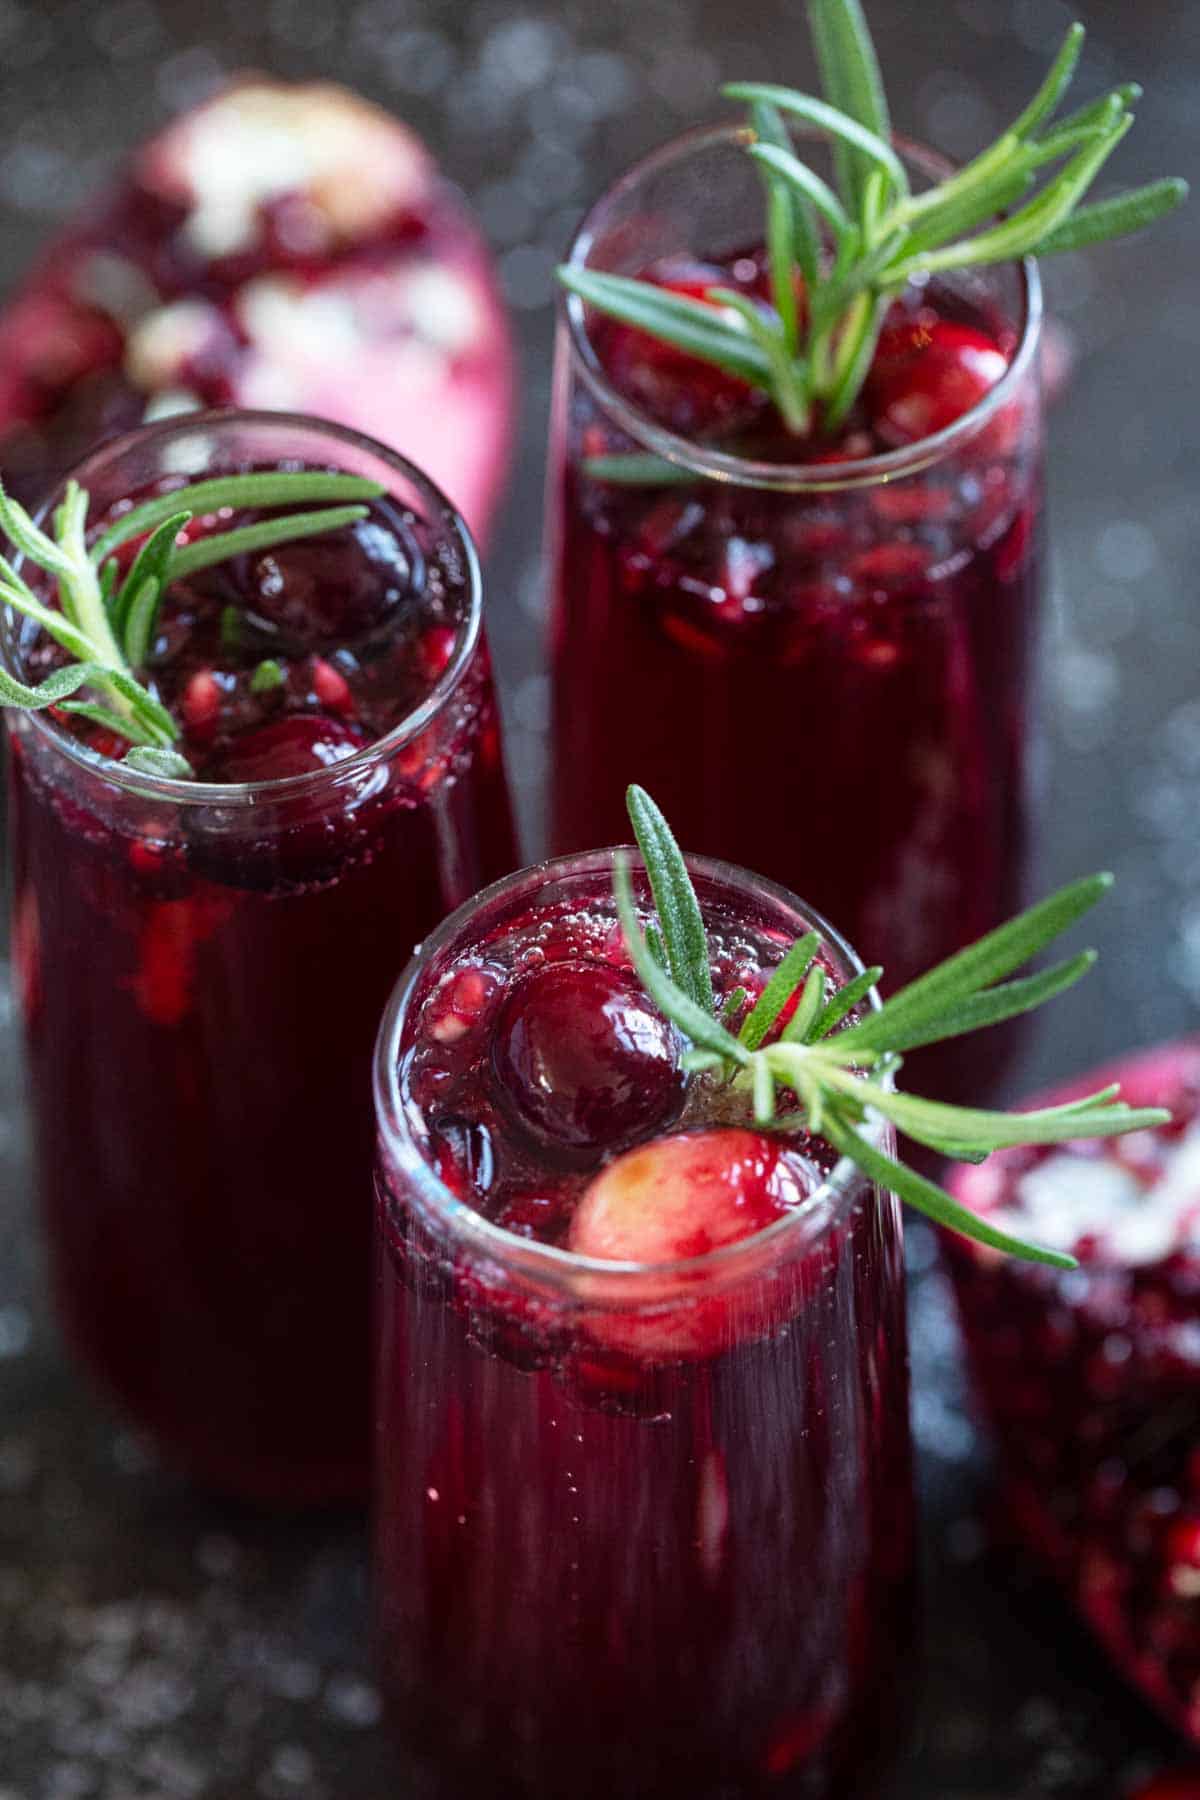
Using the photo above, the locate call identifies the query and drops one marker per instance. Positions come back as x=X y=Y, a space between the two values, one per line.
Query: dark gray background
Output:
x=153 y=1644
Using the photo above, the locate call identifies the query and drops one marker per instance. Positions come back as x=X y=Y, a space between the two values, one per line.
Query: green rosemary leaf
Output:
x=1024 y=232
x=55 y=688
x=150 y=564
x=843 y=1001
x=30 y=539
x=931 y=1199
x=856 y=348
x=838 y=125
x=637 y=469
x=149 y=710
x=694 y=1021
x=967 y=211
x=764 y=1093
x=1058 y=79
x=655 y=945
x=701 y=1062
x=55 y=624
x=1065 y=138
x=267 y=675
x=675 y=902
x=787 y=375
x=733 y=1004
x=168 y=763
x=276 y=487
x=703 y=331
x=203 y=552
x=805 y=183
x=1115 y=217
x=1129 y=93
x=108 y=587
x=851 y=80
x=984 y=962
x=231 y=628
x=100 y=715
x=139 y=621
x=924 y=1119
x=797 y=1029
x=992 y=1005
x=783 y=982
x=791 y=232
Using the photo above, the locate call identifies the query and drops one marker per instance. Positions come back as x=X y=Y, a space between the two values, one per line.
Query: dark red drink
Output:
x=815 y=652
x=644 y=1514
x=202 y=963
x=1091 y=1379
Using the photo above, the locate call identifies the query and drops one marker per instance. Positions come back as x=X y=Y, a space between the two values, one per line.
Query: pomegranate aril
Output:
x=200 y=704
x=331 y=687
x=1105 y=1473
x=459 y=1005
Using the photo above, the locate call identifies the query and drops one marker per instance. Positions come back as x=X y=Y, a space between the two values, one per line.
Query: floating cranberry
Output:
x=330 y=589
x=290 y=746
x=582 y=1061
x=926 y=374
x=687 y=1194
x=687 y=395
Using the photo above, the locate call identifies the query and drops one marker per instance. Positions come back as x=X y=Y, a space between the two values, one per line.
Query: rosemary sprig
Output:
x=105 y=621
x=836 y=258
x=842 y=1074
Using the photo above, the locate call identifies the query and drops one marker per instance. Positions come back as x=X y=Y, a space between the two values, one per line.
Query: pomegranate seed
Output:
x=166 y=963
x=331 y=687
x=200 y=703
x=437 y=650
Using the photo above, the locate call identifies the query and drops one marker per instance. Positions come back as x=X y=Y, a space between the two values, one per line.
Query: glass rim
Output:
x=347 y=769
x=810 y=477
x=596 y=1279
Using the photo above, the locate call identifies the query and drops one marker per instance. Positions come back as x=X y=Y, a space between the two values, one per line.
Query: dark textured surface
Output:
x=154 y=1646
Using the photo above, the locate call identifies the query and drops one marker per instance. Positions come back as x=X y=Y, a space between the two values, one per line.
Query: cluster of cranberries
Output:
x=1091 y=1379
x=555 y=1103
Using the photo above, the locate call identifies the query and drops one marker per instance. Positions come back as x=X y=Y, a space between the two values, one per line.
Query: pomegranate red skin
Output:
x=1069 y=1371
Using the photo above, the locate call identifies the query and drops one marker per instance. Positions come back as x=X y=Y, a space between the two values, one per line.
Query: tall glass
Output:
x=820 y=669
x=201 y=969
x=640 y=1529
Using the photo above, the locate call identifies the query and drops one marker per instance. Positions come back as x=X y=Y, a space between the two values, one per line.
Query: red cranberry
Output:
x=683 y=393
x=290 y=746
x=684 y=1195
x=330 y=589
x=926 y=374
x=581 y=1059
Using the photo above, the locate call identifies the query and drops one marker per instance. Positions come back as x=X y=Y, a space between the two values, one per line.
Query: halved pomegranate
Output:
x=1091 y=1380
x=281 y=246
